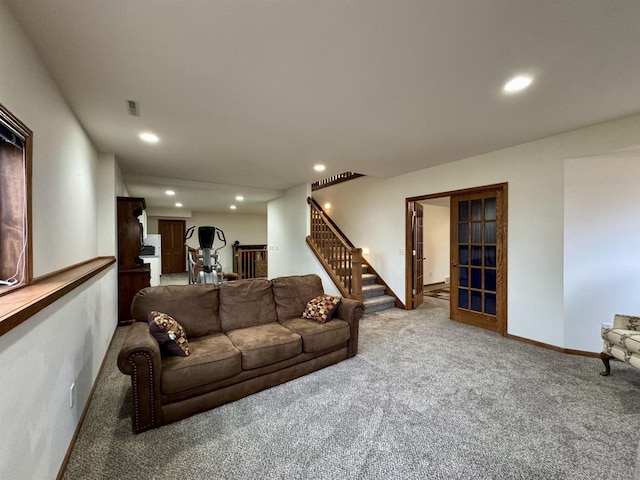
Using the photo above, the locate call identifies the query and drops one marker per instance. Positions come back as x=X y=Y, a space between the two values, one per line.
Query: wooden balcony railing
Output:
x=252 y=263
x=341 y=260
x=341 y=177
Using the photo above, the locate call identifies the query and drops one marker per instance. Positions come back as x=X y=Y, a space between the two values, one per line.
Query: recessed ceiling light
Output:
x=149 y=137
x=178 y=204
x=319 y=167
x=517 y=83
x=171 y=193
x=232 y=207
x=239 y=198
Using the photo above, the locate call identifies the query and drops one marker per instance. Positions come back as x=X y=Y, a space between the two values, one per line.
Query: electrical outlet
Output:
x=72 y=395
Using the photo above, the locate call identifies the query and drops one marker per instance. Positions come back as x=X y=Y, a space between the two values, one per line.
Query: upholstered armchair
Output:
x=621 y=341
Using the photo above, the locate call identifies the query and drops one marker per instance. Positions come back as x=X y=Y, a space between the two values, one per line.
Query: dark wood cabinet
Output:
x=133 y=274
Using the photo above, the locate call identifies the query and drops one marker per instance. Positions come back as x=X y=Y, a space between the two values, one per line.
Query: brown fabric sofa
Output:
x=244 y=336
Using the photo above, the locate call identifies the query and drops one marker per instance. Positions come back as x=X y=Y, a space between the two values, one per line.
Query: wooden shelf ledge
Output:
x=24 y=302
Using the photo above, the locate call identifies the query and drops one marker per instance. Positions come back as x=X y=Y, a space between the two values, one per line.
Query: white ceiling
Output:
x=252 y=93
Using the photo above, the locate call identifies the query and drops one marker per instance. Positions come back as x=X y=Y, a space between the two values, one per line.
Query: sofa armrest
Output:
x=626 y=322
x=140 y=358
x=138 y=340
x=351 y=311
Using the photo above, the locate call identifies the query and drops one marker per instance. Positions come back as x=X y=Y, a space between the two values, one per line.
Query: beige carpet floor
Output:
x=425 y=398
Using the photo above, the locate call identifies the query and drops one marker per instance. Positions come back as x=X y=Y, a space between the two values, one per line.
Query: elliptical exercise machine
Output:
x=204 y=264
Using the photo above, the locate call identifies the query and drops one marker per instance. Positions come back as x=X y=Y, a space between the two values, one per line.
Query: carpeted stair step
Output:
x=368 y=278
x=377 y=304
x=373 y=290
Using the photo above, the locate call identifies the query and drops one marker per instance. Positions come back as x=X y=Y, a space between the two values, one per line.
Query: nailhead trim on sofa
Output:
x=138 y=427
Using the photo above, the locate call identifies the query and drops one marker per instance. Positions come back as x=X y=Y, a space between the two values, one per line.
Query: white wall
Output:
x=371 y=212
x=65 y=342
x=120 y=187
x=64 y=160
x=39 y=360
x=436 y=243
x=288 y=225
x=601 y=253
x=364 y=210
x=153 y=214
x=110 y=186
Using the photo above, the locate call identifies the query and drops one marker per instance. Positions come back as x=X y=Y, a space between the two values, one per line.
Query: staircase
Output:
x=375 y=298
x=351 y=274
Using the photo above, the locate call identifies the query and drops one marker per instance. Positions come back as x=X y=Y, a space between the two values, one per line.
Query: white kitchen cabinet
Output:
x=154 y=266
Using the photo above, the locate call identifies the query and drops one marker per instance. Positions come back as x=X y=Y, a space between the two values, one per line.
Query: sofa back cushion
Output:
x=246 y=303
x=291 y=294
x=195 y=307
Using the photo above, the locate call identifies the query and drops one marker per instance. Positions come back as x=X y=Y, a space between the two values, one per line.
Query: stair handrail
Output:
x=314 y=204
x=338 y=256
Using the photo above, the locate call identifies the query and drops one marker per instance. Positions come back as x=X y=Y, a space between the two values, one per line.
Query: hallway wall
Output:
x=371 y=212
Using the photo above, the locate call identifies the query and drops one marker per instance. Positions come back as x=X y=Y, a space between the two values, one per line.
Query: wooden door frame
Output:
x=411 y=207
x=501 y=256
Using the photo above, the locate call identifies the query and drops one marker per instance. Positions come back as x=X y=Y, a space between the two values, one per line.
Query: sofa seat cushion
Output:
x=265 y=344
x=212 y=358
x=319 y=336
x=627 y=339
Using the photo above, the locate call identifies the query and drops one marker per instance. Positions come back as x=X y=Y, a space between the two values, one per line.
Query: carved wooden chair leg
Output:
x=605 y=359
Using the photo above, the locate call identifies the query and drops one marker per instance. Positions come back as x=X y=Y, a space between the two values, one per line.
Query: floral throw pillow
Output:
x=321 y=308
x=169 y=334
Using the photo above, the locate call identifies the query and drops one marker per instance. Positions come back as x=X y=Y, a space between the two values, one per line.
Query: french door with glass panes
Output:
x=478 y=259
x=416 y=215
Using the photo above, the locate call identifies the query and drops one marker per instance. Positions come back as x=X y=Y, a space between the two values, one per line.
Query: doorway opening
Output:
x=477 y=258
x=436 y=247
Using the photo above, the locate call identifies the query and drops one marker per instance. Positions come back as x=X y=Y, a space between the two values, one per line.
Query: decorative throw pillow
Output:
x=321 y=308
x=169 y=334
